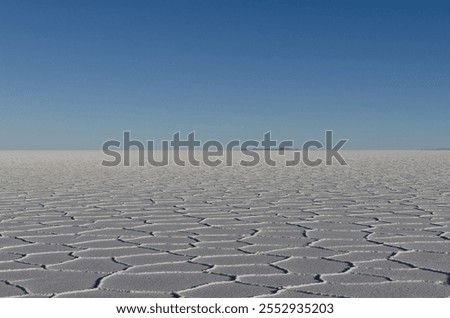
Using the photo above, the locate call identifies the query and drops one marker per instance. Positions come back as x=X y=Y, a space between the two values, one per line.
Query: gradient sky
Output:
x=76 y=73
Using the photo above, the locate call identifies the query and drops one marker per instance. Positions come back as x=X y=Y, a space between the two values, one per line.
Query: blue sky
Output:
x=76 y=73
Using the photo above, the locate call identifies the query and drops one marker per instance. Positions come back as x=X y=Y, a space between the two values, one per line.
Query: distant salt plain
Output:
x=379 y=227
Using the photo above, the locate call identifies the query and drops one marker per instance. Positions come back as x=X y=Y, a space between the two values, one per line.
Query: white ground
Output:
x=377 y=228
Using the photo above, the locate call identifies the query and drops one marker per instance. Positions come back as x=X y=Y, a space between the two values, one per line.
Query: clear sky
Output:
x=76 y=73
